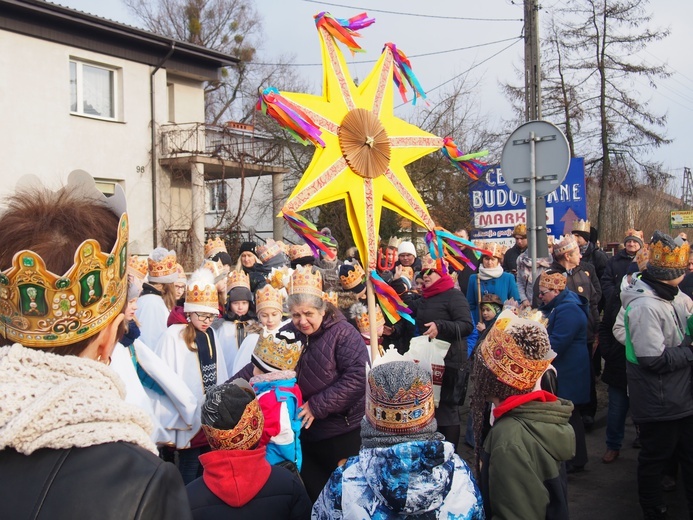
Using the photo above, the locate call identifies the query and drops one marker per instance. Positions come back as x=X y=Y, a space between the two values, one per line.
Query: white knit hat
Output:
x=407 y=248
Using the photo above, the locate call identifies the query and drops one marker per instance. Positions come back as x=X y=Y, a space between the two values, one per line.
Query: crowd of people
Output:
x=248 y=388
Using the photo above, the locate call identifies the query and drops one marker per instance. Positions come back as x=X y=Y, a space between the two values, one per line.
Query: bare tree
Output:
x=602 y=38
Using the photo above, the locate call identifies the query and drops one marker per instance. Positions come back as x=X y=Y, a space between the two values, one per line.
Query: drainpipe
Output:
x=155 y=216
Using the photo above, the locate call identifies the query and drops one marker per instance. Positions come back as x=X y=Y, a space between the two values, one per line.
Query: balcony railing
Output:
x=235 y=142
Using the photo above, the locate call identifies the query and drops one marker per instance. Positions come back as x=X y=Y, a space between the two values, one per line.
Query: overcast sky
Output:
x=289 y=29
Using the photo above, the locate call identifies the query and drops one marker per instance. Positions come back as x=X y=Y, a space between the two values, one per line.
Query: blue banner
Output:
x=497 y=209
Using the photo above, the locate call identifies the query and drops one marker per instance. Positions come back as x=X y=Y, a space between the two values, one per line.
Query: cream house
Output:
x=83 y=92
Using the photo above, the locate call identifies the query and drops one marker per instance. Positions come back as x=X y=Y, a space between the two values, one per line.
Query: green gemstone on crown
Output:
x=27 y=261
x=88 y=250
x=4 y=280
x=110 y=260
x=64 y=305
x=63 y=283
x=82 y=330
x=50 y=337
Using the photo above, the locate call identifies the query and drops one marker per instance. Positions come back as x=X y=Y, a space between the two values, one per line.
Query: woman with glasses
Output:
x=191 y=350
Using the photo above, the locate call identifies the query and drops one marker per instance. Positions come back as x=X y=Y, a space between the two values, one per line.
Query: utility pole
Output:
x=533 y=113
x=687 y=192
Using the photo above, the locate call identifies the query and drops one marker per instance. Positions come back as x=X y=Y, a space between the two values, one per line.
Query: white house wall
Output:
x=41 y=137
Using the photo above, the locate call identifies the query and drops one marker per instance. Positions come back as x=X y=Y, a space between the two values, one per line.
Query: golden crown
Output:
x=201 y=295
x=164 y=270
x=297 y=251
x=214 y=246
x=270 y=354
x=632 y=233
x=331 y=297
x=238 y=279
x=663 y=256
x=507 y=360
x=642 y=257
x=534 y=315
x=137 y=266
x=496 y=250
x=520 y=230
x=268 y=250
x=353 y=278
x=181 y=273
x=41 y=309
x=280 y=277
x=427 y=262
x=581 y=225
x=305 y=280
x=553 y=281
x=244 y=436
x=363 y=323
x=564 y=244
x=394 y=242
x=407 y=411
x=268 y=297
x=217 y=268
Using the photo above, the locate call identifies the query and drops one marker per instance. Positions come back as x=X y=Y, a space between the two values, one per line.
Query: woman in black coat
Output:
x=443 y=313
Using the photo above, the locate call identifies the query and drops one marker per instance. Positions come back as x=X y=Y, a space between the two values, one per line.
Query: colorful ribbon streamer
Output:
x=403 y=72
x=390 y=303
x=290 y=117
x=445 y=245
x=309 y=233
x=465 y=163
x=343 y=29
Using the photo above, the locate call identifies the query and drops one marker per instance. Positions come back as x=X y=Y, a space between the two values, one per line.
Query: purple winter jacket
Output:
x=331 y=374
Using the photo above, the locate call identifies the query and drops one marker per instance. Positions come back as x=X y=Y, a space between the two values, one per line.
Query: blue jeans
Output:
x=616 y=417
x=189 y=464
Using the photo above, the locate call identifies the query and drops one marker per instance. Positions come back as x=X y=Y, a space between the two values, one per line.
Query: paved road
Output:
x=608 y=491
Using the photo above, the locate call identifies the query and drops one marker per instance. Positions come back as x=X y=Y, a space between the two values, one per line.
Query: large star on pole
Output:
x=366 y=150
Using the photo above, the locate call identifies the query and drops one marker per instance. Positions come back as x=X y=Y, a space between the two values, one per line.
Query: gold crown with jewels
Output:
x=238 y=279
x=272 y=354
x=269 y=250
x=662 y=256
x=297 y=251
x=359 y=314
x=306 y=281
x=137 y=266
x=214 y=246
x=581 y=225
x=353 y=278
x=268 y=297
x=39 y=308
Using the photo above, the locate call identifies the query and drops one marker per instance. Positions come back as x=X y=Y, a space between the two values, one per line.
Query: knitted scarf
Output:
x=486 y=273
x=207 y=354
x=444 y=283
x=61 y=402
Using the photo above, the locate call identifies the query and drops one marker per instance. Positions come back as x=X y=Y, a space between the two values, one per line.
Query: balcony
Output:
x=227 y=152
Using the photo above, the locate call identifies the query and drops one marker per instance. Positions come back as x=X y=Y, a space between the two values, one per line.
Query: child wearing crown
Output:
x=192 y=351
x=274 y=382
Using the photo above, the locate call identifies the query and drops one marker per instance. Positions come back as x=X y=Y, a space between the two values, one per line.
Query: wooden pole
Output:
x=370 y=295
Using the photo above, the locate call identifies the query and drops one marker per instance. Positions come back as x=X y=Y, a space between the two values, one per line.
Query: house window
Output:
x=216 y=196
x=92 y=90
x=106 y=186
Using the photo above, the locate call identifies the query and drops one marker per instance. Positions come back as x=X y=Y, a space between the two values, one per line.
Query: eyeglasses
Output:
x=205 y=318
x=427 y=272
x=542 y=293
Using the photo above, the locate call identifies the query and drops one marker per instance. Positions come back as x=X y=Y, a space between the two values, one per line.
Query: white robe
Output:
x=152 y=315
x=173 y=411
x=176 y=354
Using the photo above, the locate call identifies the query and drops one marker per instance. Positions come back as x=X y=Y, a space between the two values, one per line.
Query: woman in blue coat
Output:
x=491 y=279
x=567 y=314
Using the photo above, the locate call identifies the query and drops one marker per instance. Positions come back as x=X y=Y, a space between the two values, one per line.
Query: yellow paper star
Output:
x=366 y=150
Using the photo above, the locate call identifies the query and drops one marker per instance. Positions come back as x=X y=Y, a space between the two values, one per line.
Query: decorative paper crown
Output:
x=642 y=257
x=137 y=266
x=238 y=279
x=516 y=351
x=635 y=234
x=162 y=266
x=271 y=354
x=394 y=242
x=218 y=269
x=495 y=249
x=283 y=246
x=306 y=281
x=663 y=256
x=268 y=250
x=564 y=244
x=581 y=225
x=534 y=315
x=512 y=305
x=41 y=309
x=201 y=293
x=520 y=230
x=181 y=274
x=331 y=297
x=407 y=411
x=353 y=278
x=359 y=313
x=280 y=277
x=553 y=281
x=297 y=251
x=427 y=262
x=268 y=298
x=244 y=436
x=408 y=272
x=214 y=246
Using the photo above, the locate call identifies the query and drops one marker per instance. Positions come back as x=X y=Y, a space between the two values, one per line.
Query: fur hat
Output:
x=399 y=398
x=406 y=247
x=634 y=234
x=231 y=417
x=668 y=256
x=553 y=280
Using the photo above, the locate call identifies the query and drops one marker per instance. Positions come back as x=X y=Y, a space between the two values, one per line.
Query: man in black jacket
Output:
x=510 y=258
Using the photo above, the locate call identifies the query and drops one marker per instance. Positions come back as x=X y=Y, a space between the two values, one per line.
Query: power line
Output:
x=425 y=54
x=417 y=15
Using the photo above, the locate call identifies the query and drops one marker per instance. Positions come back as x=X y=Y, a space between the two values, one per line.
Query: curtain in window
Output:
x=97 y=91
